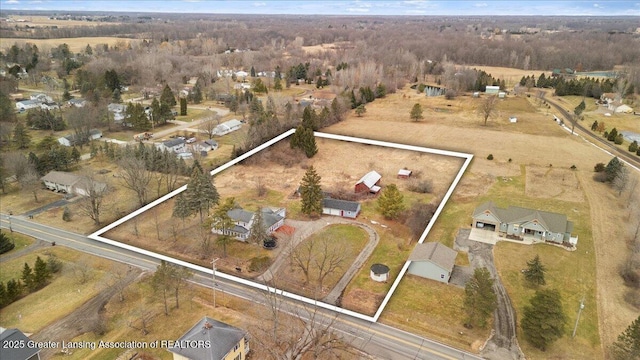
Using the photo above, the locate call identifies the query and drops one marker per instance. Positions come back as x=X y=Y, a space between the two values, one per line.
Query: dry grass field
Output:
x=511 y=76
x=538 y=146
x=43 y=21
x=75 y=44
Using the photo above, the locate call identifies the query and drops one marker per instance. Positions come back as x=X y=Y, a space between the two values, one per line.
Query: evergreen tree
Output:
x=201 y=194
x=311 y=193
x=221 y=221
x=6 y=244
x=416 y=112
x=309 y=118
x=21 y=137
x=28 y=278
x=391 y=202
x=183 y=107
x=181 y=208
x=3 y=295
x=13 y=290
x=197 y=94
x=633 y=147
x=167 y=96
x=612 y=169
x=360 y=110
x=381 y=90
x=75 y=155
x=627 y=347
x=534 y=273
x=479 y=298
x=162 y=282
x=40 y=273
x=66 y=214
x=594 y=126
x=258 y=231
x=277 y=84
x=252 y=72
x=543 y=321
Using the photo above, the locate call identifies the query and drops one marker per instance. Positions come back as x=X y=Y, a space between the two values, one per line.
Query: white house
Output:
x=272 y=220
x=227 y=127
x=433 y=261
x=43 y=98
x=27 y=104
x=242 y=74
x=71 y=140
x=77 y=102
x=118 y=111
x=176 y=145
x=343 y=208
x=49 y=106
x=207 y=145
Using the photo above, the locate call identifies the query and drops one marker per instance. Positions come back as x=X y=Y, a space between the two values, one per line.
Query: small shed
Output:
x=379 y=272
x=502 y=95
x=513 y=119
x=433 y=261
x=404 y=173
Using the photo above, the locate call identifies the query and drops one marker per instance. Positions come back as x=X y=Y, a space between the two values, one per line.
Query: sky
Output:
x=341 y=7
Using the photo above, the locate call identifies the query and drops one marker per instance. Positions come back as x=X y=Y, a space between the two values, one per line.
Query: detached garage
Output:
x=343 y=208
x=433 y=261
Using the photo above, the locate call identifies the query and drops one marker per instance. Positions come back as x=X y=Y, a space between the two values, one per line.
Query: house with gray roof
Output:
x=343 y=208
x=177 y=145
x=228 y=126
x=519 y=223
x=69 y=183
x=432 y=260
x=15 y=336
x=272 y=220
x=215 y=341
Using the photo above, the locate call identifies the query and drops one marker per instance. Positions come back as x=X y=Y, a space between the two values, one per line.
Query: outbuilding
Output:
x=379 y=272
x=343 y=208
x=227 y=127
x=404 y=173
x=369 y=183
x=433 y=261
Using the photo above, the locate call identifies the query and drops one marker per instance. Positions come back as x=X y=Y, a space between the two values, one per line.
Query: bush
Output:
x=633 y=147
x=450 y=94
x=421 y=186
x=574 y=167
x=54 y=264
x=66 y=214
x=599 y=167
x=259 y=263
x=490 y=157
x=618 y=140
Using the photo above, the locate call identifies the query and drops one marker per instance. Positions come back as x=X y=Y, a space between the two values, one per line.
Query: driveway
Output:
x=503 y=344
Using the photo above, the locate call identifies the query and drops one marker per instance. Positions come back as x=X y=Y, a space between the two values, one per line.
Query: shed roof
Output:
x=370 y=179
x=340 y=204
x=222 y=337
x=436 y=253
x=404 y=172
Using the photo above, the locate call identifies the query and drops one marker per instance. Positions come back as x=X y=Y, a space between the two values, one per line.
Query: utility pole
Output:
x=578 y=318
x=10 y=227
x=215 y=284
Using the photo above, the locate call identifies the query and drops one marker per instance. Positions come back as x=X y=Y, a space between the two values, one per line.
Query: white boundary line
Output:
x=97 y=235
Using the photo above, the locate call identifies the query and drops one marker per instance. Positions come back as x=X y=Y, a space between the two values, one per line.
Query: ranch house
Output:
x=176 y=145
x=227 y=127
x=68 y=183
x=518 y=223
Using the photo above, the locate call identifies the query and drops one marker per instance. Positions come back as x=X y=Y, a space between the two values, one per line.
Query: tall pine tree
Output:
x=543 y=321
x=479 y=298
x=201 y=194
x=311 y=193
x=534 y=273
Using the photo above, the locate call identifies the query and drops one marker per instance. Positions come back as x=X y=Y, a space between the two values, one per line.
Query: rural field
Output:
x=76 y=45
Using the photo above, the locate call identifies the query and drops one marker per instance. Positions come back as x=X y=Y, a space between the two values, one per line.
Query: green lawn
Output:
x=20 y=241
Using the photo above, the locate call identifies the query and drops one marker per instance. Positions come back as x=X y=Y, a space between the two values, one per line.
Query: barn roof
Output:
x=370 y=179
x=436 y=253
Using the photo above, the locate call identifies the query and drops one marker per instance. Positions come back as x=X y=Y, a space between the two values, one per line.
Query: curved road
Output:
x=381 y=341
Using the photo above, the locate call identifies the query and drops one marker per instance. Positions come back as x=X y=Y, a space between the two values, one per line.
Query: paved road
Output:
x=381 y=341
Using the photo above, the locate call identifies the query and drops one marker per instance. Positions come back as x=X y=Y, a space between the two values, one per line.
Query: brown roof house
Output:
x=214 y=340
x=65 y=182
x=433 y=261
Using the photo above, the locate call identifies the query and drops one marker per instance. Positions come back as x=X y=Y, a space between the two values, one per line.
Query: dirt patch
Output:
x=553 y=183
x=86 y=318
x=363 y=301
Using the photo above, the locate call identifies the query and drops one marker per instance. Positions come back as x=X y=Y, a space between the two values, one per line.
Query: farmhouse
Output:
x=272 y=220
x=43 y=98
x=404 y=173
x=15 y=336
x=520 y=223
x=225 y=342
x=433 y=261
x=369 y=183
x=65 y=182
x=343 y=208
x=72 y=139
x=176 y=145
x=227 y=127
x=77 y=102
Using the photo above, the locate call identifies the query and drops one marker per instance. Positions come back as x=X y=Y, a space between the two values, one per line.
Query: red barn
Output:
x=369 y=183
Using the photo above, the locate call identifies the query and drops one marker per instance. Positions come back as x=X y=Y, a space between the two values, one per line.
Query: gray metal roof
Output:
x=223 y=338
x=18 y=352
x=370 y=179
x=173 y=142
x=340 y=204
x=436 y=253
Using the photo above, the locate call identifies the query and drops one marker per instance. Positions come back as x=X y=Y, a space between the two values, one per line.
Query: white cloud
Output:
x=596 y=5
x=360 y=9
x=484 y=4
x=259 y=4
x=13 y=2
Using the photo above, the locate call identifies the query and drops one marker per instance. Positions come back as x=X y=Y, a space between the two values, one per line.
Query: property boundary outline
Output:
x=468 y=157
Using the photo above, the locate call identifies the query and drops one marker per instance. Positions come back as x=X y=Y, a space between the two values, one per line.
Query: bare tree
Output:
x=136 y=177
x=117 y=275
x=621 y=180
x=487 y=108
x=208 y=126
x=318 y=257
x=30 y=181
x=92 y=203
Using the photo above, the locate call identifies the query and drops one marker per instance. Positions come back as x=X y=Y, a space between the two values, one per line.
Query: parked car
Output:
x=191 y=140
